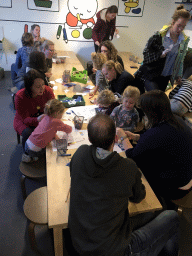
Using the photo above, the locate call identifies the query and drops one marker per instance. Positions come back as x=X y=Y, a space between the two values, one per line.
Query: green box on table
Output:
x=80 y=76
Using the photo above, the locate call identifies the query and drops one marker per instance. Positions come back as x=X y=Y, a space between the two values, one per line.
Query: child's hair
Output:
x=105 y=98
x=110 y=64
x=27 y=39
x=181 y=12
x=53 y=106
x=132 y=92
x=98 y=59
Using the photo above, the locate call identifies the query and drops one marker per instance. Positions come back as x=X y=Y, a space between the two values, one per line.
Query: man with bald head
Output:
x=102 y=183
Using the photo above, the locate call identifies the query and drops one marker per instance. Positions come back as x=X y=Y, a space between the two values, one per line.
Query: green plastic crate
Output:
x=79 y=77
x=63 y=97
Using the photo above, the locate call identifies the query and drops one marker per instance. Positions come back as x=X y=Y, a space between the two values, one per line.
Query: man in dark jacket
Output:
x=102 y=183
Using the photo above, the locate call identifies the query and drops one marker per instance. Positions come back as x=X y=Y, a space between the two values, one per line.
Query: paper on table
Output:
x=59 y=80
x=89 y=87
x=55 y=87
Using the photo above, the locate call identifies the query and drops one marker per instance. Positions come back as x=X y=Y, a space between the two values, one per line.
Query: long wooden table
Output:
x=58 y=174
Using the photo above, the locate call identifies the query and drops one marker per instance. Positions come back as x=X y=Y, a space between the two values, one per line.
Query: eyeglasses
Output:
x=51 y=50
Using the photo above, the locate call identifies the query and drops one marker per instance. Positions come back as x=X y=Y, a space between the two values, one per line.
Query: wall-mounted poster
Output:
x=131 y=8
x=79 y=21
x=43 y=5
x=6 y=3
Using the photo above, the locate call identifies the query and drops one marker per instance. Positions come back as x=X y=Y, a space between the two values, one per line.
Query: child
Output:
x=45 y=131
x=98 y=60
x=126 y=116
x=106 y=101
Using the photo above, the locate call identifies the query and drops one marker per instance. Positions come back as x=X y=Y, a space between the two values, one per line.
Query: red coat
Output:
x=27 y=108
x=100 y=29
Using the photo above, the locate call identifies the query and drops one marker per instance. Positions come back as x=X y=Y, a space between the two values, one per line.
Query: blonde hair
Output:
x=53 y=106
x=110 y=64
x=132 y=92
x=105 y=98
x=181 y=12
x=98 y=59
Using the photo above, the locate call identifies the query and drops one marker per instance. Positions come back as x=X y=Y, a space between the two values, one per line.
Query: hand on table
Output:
x=120 y=132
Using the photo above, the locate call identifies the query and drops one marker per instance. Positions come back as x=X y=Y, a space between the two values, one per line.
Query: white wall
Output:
x=132 y=38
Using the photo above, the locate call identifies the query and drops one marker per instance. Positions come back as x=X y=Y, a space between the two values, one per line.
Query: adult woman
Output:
x=164 y=53
x=118 y=78
x=22 y=56
x=105 y=28
x=163 y=152
x=35 y=31
x=29 y=103
x=110 y=51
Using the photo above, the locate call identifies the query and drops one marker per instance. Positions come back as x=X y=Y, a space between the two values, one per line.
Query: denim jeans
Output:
x=25 y=135
x=158 y=83
x=159 y=237
x=32 y=153
x=178 y=108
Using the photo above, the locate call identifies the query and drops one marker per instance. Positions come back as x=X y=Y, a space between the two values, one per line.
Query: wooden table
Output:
x=58 y=176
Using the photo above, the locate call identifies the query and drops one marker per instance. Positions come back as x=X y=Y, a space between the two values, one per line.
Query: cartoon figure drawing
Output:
x=132 y=4
x=81 y=13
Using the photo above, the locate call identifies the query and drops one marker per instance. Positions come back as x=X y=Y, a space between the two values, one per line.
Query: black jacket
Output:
x=100 y=189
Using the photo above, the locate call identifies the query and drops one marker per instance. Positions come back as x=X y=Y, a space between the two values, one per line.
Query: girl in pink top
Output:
x=46 y=130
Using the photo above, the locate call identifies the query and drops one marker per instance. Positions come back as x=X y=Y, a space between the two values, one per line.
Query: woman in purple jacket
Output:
x=105 y=28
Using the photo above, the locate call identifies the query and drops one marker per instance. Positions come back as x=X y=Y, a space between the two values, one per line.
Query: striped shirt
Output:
x=183 y=93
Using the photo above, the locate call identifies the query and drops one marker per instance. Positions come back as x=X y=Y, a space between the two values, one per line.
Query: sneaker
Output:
x=26 y=158
x=35 y=158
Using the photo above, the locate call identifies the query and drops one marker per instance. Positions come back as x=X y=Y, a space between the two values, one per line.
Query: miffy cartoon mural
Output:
x=79 y=20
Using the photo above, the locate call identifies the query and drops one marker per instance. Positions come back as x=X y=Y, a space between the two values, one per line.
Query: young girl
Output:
x=106 y=101
x=125 y=115
x=98 y=60
x=45 y=131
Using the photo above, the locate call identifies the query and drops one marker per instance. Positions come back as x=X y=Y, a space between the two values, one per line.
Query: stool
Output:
x=36 y=211
x=33 y=170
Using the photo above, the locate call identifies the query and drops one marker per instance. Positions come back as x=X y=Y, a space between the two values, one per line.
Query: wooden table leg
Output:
x=58 y=241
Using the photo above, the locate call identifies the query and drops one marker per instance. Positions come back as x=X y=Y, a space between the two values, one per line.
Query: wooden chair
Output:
x=36 y=211
x=34 y=170
x=18 y=138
